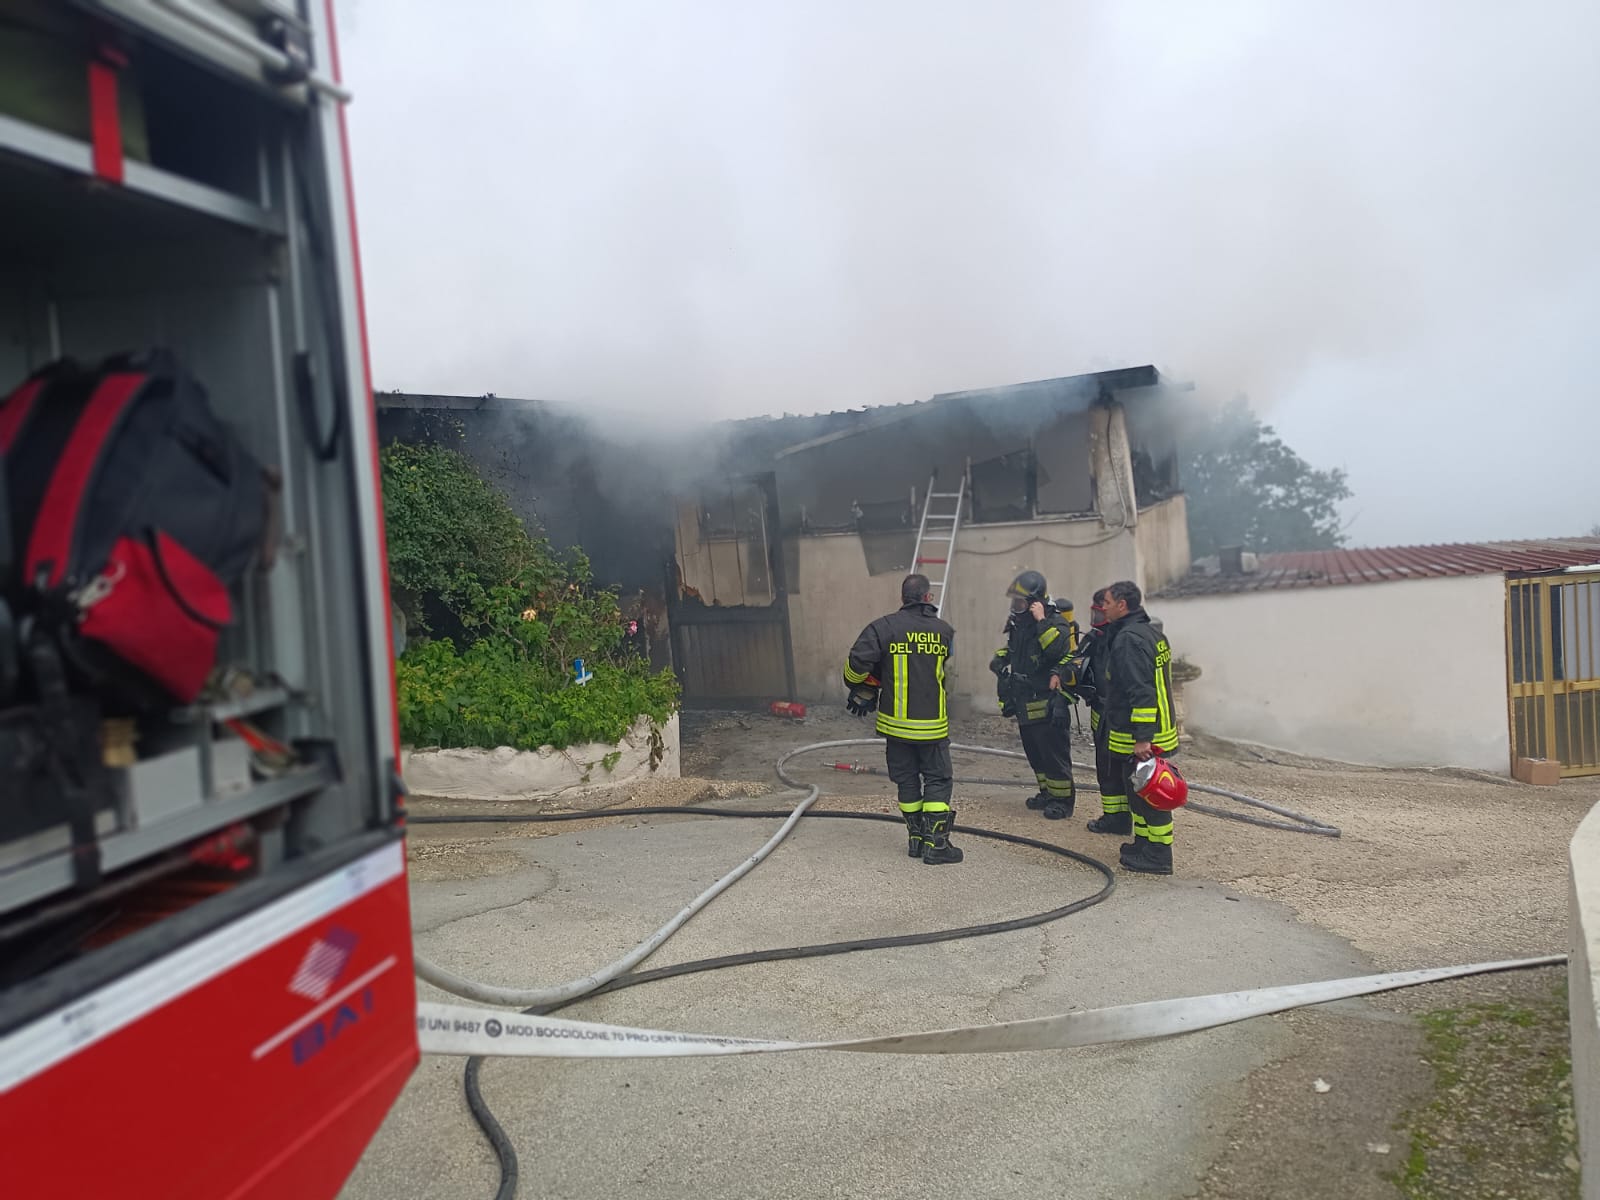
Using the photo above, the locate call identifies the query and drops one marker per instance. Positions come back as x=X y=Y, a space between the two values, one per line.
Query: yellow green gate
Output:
x=1553 y=669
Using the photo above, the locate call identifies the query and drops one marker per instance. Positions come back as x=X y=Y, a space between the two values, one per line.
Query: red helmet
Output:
x=1159 y=785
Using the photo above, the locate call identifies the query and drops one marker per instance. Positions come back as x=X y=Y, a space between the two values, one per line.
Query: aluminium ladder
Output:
x=937 y=536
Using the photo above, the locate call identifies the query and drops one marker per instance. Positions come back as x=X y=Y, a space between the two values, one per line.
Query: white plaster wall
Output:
x=1162 y=538
x=507 y=774
x=833 y=596
x=1583 y=995
x=837 y=598
x=1410 y=673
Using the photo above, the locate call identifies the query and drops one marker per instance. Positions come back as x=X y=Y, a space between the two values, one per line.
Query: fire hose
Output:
x=1122 y=1023
x=1294 y=822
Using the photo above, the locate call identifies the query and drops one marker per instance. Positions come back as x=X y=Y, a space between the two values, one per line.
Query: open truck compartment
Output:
x=173 y=177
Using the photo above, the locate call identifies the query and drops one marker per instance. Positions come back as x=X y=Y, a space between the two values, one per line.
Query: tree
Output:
x=449 y=533
x=1246 y=488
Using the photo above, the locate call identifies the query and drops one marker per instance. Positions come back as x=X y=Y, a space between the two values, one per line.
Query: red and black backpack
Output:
x=133 y=510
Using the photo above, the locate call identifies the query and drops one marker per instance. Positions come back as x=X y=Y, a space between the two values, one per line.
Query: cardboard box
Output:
x=1541 y=772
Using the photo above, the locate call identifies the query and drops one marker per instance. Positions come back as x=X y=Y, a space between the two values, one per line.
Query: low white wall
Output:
x=507 y=774
x=1411 y=673
x=1583 y=995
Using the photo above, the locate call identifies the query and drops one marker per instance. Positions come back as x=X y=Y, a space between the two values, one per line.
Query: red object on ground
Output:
x=788 y=708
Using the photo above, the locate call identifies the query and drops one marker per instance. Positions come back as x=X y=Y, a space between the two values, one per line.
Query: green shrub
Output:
x=517 y=613
x=488 y=695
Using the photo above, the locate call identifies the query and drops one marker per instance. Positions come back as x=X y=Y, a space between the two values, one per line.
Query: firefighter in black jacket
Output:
x=1089 y=667
x=898 y=666
x=1138 y=718
x=1034 y=669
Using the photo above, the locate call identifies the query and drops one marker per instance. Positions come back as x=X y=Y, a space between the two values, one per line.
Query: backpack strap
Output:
x=71 y=751
x=16 y=407
x=54 y=532
x=10 y=659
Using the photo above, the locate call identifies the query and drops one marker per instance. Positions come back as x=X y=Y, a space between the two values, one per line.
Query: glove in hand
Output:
x=861 y=701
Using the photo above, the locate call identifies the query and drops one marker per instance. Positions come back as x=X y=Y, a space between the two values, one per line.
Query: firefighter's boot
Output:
x=1060 y=807
x=1147 y=858
x=936 y=847
x=1119 y=823
x=913 y=834
x=1040 y=800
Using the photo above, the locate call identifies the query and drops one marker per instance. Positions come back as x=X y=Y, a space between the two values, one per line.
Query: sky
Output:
x=1379 y=221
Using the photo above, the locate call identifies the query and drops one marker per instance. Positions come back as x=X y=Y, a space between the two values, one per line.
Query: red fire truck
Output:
x=205 y=965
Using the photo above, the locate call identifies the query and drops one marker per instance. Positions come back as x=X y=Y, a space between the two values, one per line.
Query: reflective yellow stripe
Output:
x=1112 y=805
x=907 y=723
x=1003 y=652
x=1144 y=716
x=1167 y=741
x=939 y=671
x=1161 y=835
x=1161 y=699
x=853 y=676
x=913 y=731
x=1121 y=742
x=1048 y=636
x=913 y=808
x=1094 y=719
x=901 y=666
x=935 y=806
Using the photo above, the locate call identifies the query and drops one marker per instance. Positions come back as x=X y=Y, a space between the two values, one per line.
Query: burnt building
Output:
x=761 y=547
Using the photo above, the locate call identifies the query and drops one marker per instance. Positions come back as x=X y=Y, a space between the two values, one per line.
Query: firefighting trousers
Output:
x=922 y=773
x=1049 y=755
x=1110 y=777
x=1149 y=822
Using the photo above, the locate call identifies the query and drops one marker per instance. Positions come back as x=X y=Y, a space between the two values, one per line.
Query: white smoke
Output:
x=1373 y=218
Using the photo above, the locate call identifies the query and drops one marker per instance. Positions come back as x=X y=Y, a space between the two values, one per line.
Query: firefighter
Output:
x=1137 y=717
x=898 y=666
x=1035 y=678
x=1089 y=667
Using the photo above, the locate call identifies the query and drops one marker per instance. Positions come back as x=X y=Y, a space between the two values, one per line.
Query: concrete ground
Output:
x=1434 y=868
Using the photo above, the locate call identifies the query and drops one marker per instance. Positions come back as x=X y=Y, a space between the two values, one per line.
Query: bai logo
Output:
x=323 y=1032
x=325 y=962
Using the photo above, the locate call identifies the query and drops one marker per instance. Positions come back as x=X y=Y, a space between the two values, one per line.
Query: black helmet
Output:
x=1027 y=588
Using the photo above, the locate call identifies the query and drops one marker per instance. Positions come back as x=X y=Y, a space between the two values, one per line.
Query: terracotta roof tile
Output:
x=1384 y=564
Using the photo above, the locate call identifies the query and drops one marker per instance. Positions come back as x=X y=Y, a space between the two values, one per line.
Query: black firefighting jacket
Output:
x=1136 y=686
x=1089 y=668
x=1034 y=651
x=908 y=652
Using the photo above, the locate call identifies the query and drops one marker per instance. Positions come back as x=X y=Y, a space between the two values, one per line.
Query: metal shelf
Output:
x=259 y=701
x=21 y=140
x=225 y=36
x=24 y=885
